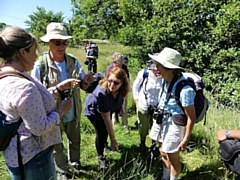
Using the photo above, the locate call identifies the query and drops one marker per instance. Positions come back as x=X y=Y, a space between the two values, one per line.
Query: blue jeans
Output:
x=40 y=167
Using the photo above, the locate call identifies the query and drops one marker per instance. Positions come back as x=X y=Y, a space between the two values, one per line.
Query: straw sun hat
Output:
x=169 y=58
x=55 y=31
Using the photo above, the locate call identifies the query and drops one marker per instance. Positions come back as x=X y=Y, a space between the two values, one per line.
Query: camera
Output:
x=158 y=115
x=66 y=94
x=150 y=110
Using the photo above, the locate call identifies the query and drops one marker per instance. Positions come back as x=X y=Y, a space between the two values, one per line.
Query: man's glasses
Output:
x=59 y=43
x=114 y=82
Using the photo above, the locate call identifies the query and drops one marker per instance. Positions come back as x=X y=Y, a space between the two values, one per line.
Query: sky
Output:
x=15 y=12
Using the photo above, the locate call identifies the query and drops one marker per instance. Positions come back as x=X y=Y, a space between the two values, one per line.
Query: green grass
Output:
x=200 y=161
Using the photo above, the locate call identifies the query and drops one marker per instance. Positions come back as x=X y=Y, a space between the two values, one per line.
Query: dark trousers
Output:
x=101 y=133
x=92 y=66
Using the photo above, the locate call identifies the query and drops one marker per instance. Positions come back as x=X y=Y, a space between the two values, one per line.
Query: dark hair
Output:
x=14 y=38
x=120 y=74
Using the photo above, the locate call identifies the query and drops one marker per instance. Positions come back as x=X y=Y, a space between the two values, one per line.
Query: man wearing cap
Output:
x=58 y=66
x=92 y=56
x=171 y=136
x=146 y=88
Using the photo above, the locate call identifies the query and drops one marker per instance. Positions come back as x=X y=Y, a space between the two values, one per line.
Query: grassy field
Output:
x=200 y=161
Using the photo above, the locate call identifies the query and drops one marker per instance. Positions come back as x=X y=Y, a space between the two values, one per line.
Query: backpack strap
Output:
x=168 y=96
x=145 y=75
x=180 y=85
x=12 y=73
x=20 y=163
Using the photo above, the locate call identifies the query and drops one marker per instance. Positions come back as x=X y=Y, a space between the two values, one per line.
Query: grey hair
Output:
x=117 y=56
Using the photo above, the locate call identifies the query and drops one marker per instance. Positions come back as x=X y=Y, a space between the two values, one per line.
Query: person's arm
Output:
x=187 y=96
x=108 y=123
x=30 y=106
x=191 y=118
x=222 y=134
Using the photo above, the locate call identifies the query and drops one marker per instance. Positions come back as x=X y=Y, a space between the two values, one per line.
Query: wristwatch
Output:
x=227 y=133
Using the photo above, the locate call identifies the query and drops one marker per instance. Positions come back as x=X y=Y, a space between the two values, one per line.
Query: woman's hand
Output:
x=68 y=84
x=114 y=145
x=182 y=146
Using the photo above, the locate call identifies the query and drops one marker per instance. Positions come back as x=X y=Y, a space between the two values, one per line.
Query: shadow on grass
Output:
x=207 y=172
x=133 y=166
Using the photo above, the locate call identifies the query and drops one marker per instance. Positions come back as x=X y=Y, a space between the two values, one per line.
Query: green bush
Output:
x=206 y=33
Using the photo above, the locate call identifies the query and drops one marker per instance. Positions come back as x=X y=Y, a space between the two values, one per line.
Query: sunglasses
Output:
x=114 y=82
x=59 y=43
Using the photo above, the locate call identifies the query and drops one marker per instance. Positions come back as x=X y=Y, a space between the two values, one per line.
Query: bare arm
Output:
x=191 y=118
x=109 y=127
x=221 y=134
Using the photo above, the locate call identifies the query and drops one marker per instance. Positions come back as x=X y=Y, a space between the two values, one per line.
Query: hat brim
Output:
x=47 y=38
x=166 y=64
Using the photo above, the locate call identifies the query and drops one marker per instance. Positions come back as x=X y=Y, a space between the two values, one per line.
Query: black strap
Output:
x=175 y=78
x=145 y=77
x=12 y=73
x=20 y=163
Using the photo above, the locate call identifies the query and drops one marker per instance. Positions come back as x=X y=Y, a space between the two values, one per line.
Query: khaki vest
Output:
x=54 y=78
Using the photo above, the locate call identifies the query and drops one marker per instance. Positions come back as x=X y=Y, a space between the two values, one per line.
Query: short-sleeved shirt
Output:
x=187 y=96
x=101 y=101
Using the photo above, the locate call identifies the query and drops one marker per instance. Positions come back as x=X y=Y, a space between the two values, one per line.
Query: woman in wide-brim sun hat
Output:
x=172 y=137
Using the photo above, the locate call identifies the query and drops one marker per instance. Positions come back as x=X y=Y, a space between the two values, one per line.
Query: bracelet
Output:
x=113 y=139
x=58 y=90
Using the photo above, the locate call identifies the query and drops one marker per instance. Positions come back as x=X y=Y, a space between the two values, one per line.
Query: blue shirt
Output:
x=92 y=52
x=101 y=101
x=187 y=96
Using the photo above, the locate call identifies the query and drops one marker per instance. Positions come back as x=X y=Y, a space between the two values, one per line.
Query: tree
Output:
x=2 y=26
x=96 y=18
x=40 y=19
x=205 y=32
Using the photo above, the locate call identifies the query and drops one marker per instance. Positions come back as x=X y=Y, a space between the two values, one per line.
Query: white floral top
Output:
x=36 y=106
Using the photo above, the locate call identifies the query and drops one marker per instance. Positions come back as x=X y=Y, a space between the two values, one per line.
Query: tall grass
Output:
x=200 y=160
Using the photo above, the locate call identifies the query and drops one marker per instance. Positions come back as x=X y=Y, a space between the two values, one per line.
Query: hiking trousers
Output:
x=72 y=131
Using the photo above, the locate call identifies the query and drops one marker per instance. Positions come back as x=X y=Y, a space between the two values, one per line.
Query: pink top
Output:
x=36 y=105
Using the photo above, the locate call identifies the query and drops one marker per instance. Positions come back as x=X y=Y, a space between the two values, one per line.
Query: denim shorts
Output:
x=40 y=167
